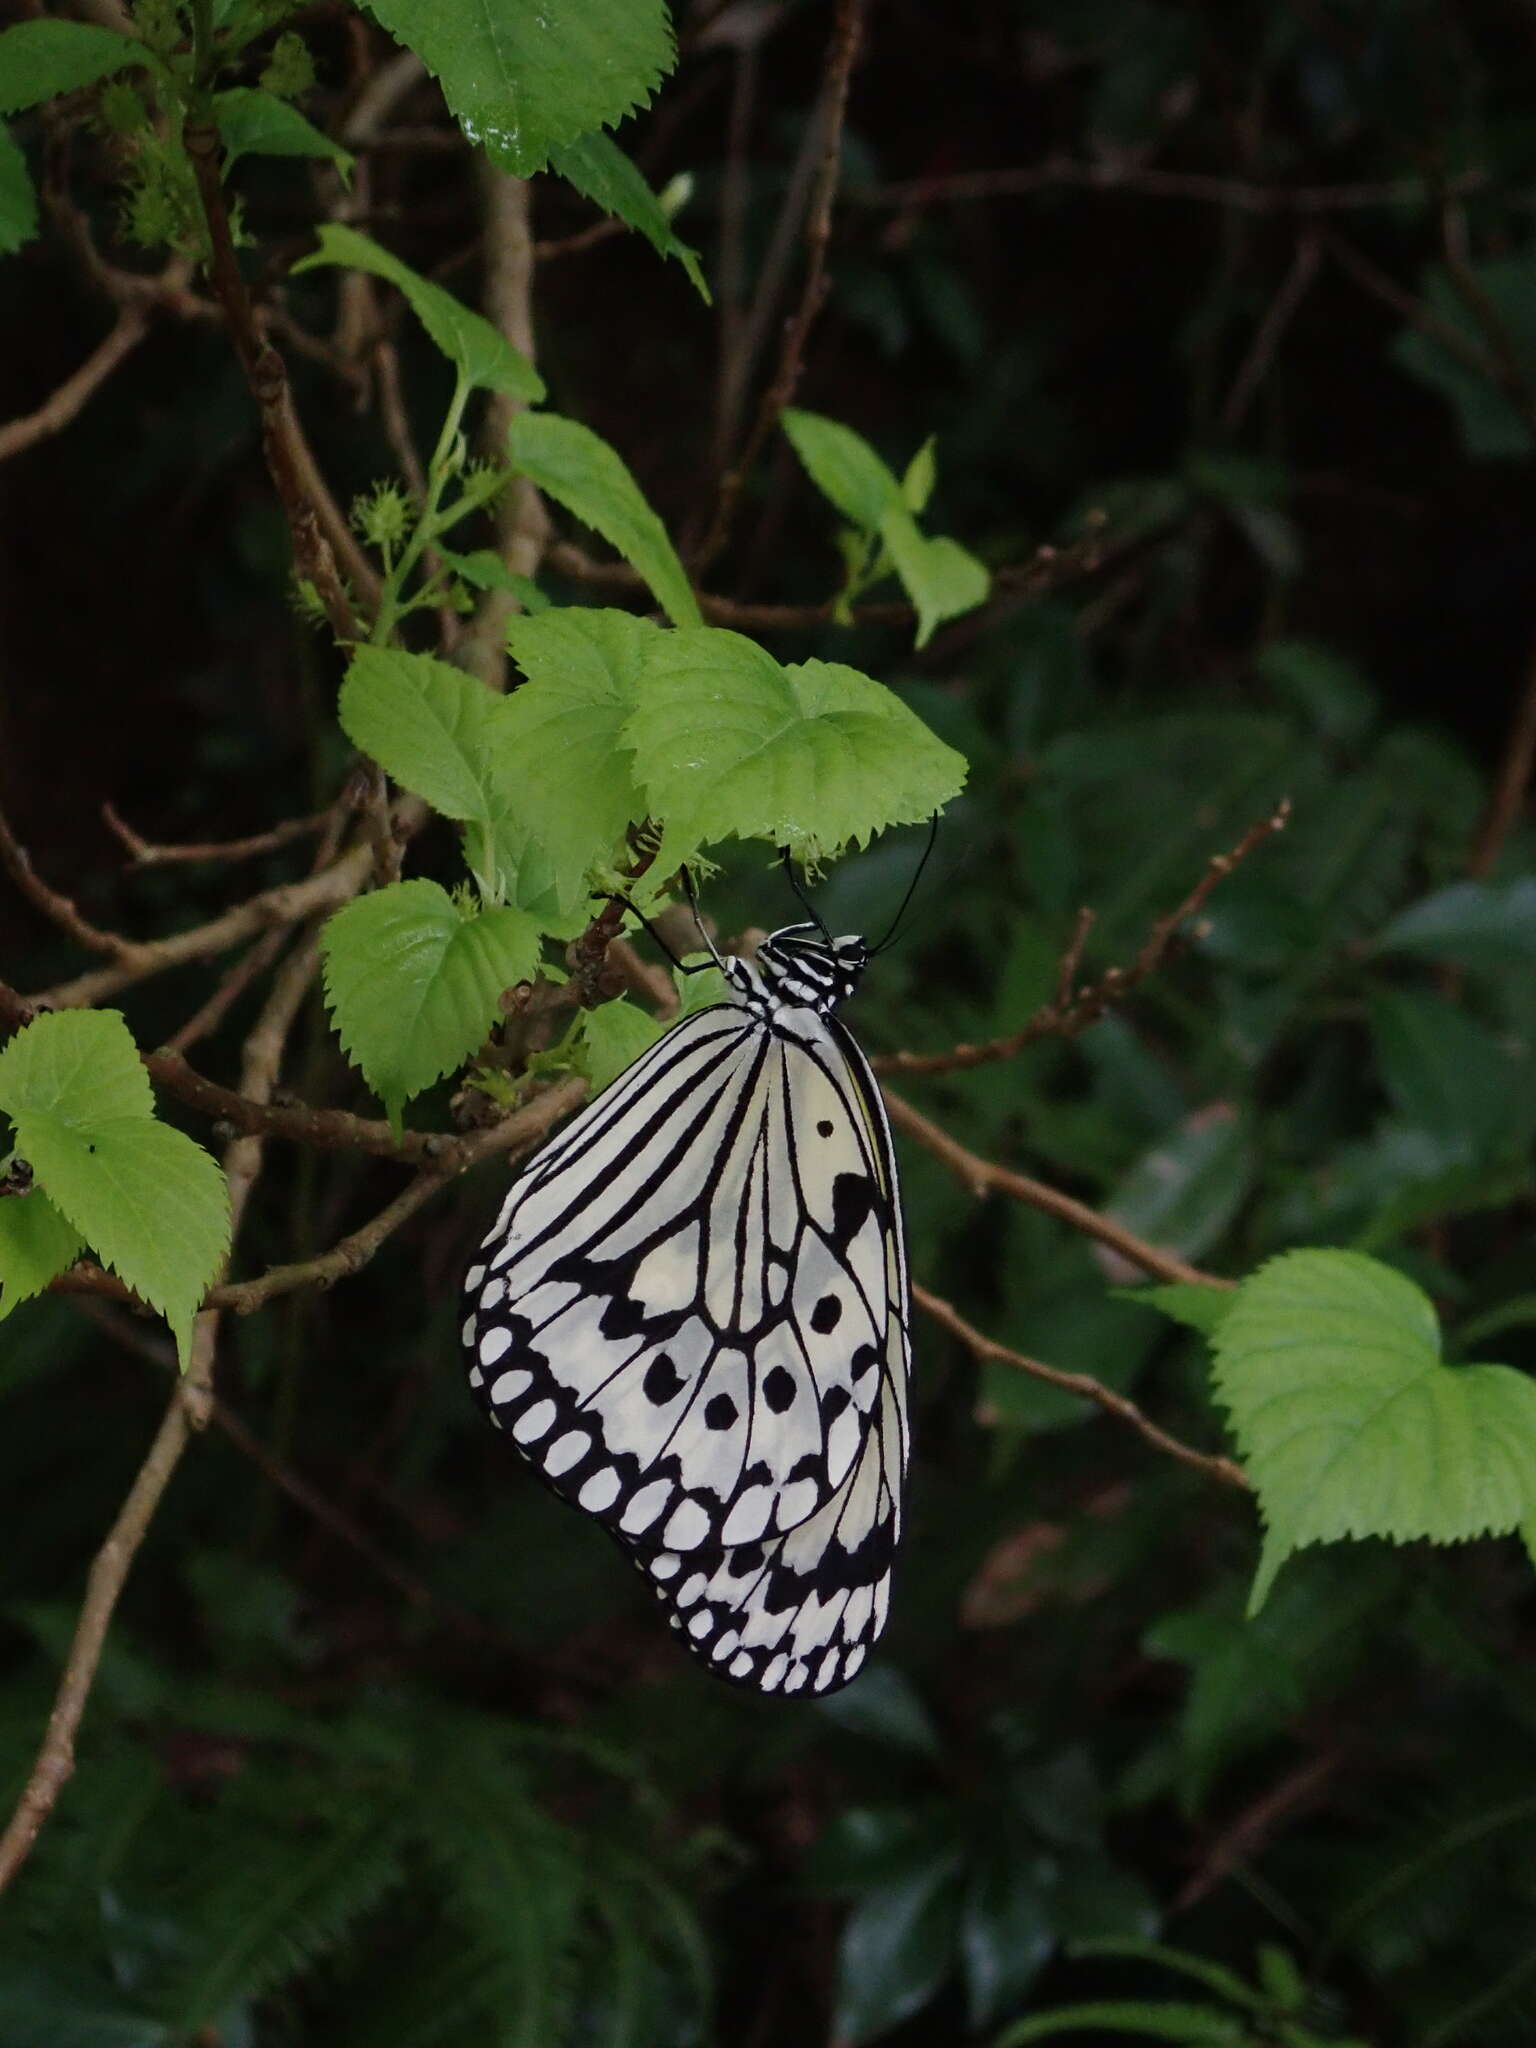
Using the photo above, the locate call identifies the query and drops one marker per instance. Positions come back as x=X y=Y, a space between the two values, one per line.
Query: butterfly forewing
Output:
x=691 y=1317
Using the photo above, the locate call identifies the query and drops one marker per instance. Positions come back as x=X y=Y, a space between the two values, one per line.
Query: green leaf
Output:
x=1198 y=1308
x=897 y=1949
x=522 y=80
x=597 y=167
x=1183 y=1193
x=810 y=757
x=256 y=123
x=1007 y=1928
x=843 y=467
x=578 y=468
x=414 y=984
x=1491 y=425
x=80 y=1066
x=485 y=569
x=919 y=478
x=151 y=1204
x=560 y=753
x=1329 y=1365
x=40 y=59
x=1482 y=925
x=613 y=1037
x=36 y=1244
x=484 y=357
x=1449 y=1076
x=883 y=1706
x=1152 y=2019
x=939 y=576
x=426 y=724
x=18 y=198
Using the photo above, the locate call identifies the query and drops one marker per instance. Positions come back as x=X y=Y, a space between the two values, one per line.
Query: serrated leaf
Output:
x=811 y=756
x=18 y=196
x=613 y=1037
x=597 y=167
x=41 y=59
x=485 y=569
x=558 y=742
x=426 y=724
x=1483 y=925
x=1202 y=1309
x=256 y=123
x=482 y=354
x=941 y=577
x=36 y=1244
x=149 y=1202
x=414 y=984
x=1349 y=1423
x=843 y=467
x=521 y=80
x=511 y=864
x=578 y=468
x=79 y=1066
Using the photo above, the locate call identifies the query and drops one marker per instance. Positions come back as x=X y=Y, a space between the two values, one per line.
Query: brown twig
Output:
x=846 y=34
x=146 y=854
x=1066 y=1018
x=317 y=529
x=983 y=1177
x=1244 y=1836
x=1509 y=793
x=1271 y=331
x=1242 y=195
x=1086 y=1387
x=1455 y=340
x=59 y=909
x=71 y=397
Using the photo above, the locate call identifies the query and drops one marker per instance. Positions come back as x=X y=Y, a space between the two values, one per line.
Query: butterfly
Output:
x=691 y=1316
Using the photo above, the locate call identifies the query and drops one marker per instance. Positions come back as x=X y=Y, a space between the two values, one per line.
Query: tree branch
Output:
x=145 y=854
x=72 y=396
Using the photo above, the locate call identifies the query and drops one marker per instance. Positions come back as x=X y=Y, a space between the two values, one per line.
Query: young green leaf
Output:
x=843 y=467
x=18 y=197
x=413 y=983
x=1197 y=1308
x=597 y=167
x=572 y=464
x=36 y=1243
x=425 y=723
x=810 y=757
x=484 y=357
x=79 y=1066
x=939 y=576
x=919 y=478
x=256 y=123
x=485 y=569
x=558 y=742
x=1482 y=925
x=1349 y=1423
x=522 y=80
x=613 y=1037
x=41 y=59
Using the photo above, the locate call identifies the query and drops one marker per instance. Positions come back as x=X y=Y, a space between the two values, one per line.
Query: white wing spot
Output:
x=510 y=1385
x=749 y=1517
x=692 y=1589
x=701 y=1624
x=665 y=1565
x=646 y=1506
x=688 y=1527
x=566 y=1451
x=493 y=1344
x=600 y=1491
x=741 y=1665
x=473 y=1278
x=491 y=1296
x=534 y=1422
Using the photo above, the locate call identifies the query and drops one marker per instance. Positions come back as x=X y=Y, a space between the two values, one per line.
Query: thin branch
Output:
x=1514 y=780
x=846 y=34
x=1243 y=1837
x=1066 y=1015
x=982 y=1177
x=1086 y=1387
x=71 y=397
x=59 y=909
x=146 y=854
x=1294 y=287
x=1243 y=196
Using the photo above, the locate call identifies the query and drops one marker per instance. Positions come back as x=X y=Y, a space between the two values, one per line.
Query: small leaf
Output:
x=18 y=197
x=1182 y=1194
x=1449 y=1076
x=810 y=757
x=843 y=467
x=1153 y=2019
x=897 y=1949
x=1007 y=1928
x=613 y=1037
x=1197 y=1308
x=939 y=576
x=426 y=724
x=484 y=356
x=597 y=167
x=256 y=123
x=151 y=1204
x=1482 y=925
x=919 y=478
x=559 y=748
x=883 y=1705
x=1350 y=1425
x=80 y=1066
x=41 y=59
x=414 y=985
x=485 y=569
x=36 y=1244
x=521 y=80
x=572 y=464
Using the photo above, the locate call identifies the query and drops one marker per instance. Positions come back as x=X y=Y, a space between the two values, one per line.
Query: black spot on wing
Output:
x=779 y=1389
x=663 y=1382
x=854 y=1200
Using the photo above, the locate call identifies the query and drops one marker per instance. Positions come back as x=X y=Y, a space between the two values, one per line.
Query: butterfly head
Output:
x=801 y=968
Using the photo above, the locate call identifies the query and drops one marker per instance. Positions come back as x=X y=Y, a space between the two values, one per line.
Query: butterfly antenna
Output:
x=796 y=884
x=906 y=901
x=692 y=895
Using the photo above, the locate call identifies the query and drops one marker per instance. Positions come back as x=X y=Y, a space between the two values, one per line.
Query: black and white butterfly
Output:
x=692 y=1316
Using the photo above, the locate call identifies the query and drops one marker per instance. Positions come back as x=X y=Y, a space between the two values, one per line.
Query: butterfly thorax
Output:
x=797 y=969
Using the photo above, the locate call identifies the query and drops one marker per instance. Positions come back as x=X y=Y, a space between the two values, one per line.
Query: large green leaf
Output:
x=426 y=724
x=479 y=351
x=414 y=983
x=1349 y=1423
x=572 y=464
x=810 y=757
x=613 y=1037
x=36 y=1243
x=79 y=1066
x=41 y=59
x=597 y=166
x=522 y=79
